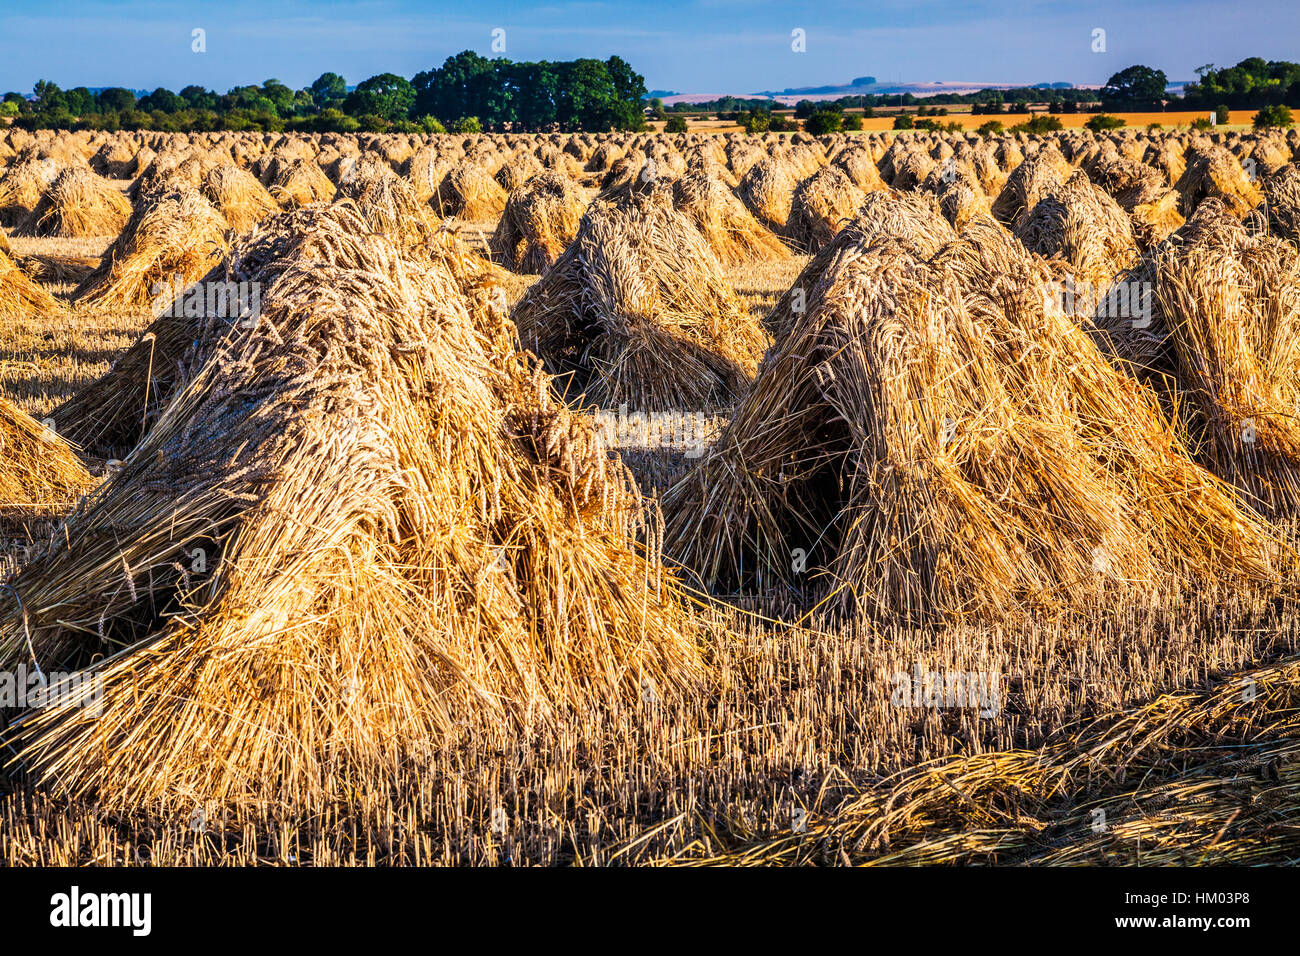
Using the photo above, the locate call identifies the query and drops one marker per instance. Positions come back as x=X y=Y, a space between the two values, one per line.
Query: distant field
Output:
x=875 y=124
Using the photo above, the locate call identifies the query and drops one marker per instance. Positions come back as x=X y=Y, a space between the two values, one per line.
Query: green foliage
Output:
x=387 y=95
x=1252 y=83
x=1202 y=122
x=824 y=121
x=852 y=122
x=675 y=124
x=1039 y=124
x=115 y=99
x=1104 y=121
x=8 y=108
x=430 y=124
x=1222 y=114
x=903 y=121
x=1135 y=88
x=991 y=128
x=1272 y=116
x=756 y=121
x=328 y=90
x=467 y=124
x=782 y=124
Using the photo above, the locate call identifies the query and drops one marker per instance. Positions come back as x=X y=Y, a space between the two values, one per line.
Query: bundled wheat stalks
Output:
x=638 y=310
x=37 y=466
x=731 y=231
x=170 y=235
x=822 y=205
x=767 y=188
x=405 y=537
x=934 y=439
x=300 y=183
x=387 y=202
x=238 y=196
x=469 y=192
x=78 y=204
x=1228 y=304
x=20 y=297
x=540 y=220
x=21 y=188
x=1029 y=182
x=1080 y=227
x=1213 y=172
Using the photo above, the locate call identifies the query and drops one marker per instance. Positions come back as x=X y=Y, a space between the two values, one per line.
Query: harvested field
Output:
x=650 y=499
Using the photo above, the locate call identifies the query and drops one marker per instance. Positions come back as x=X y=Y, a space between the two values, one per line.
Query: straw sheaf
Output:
x=1082 y=227
x=238 y=196
x=540 y=219
x=168 y=235
x=639 y=311
x=20 y=297
x=408 y=536
x=822 y=205
x=78 y=204
x=938 y=441
x=731 y=231
x=37 y=466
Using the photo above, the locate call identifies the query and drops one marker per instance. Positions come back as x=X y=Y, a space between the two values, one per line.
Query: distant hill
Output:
x=863 y=85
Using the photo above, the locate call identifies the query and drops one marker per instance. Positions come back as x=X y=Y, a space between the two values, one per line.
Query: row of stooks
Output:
x=406 y=533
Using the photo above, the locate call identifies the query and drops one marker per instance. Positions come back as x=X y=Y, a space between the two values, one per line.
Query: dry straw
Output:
x=933 y=439
x=20 y=297
x=78 y=204
x=37 y=466
x=169 y=235
x=238 y=196
x=1213 y=172
x=638 y=310
x=731 y=231
x=821 y=206
x=469 y=192
x=405 y=537
x=541 y=218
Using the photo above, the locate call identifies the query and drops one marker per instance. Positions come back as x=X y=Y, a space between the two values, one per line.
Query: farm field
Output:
x=647 y=499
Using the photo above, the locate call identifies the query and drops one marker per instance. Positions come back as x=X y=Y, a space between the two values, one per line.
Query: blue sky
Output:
x=695 y=46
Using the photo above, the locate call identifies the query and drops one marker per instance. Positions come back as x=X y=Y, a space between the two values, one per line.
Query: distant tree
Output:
x=8 y=108
x=903 y=121
x=162 y=100
x=657 y=108
x=804 y=109
x=824 y=121
x=1272 y=116
x=329 y=89
x=387 y=95
x=991 y=128
x=1135 y=88
x=675 y=124
x=1104 y=121
x=756 y=121
x=467 y=124
x=115 y=99
x=197 y=98
x=1039 y=125
x=280 y=96
x=1222 y=114
x=852 y=122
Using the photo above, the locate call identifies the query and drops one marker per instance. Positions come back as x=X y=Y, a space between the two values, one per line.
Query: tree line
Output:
x=468 y=93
